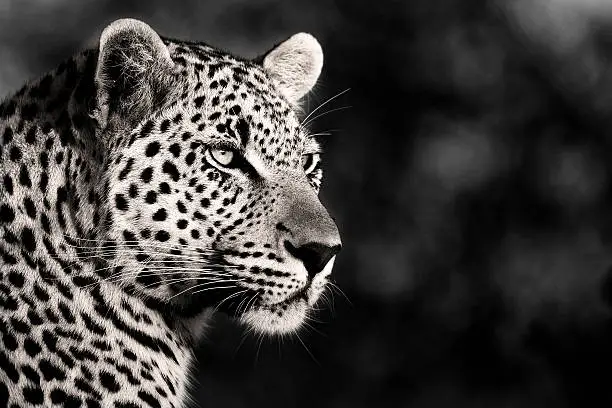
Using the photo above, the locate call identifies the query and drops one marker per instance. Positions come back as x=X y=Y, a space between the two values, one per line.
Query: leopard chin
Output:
x=277 y=320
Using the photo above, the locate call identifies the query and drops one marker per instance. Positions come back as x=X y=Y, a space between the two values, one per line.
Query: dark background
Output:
x=470 y=178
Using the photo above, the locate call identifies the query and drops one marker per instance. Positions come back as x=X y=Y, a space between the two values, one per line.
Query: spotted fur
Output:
x=146 y=184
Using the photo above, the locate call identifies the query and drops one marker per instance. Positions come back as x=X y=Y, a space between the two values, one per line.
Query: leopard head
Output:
x=212 y=181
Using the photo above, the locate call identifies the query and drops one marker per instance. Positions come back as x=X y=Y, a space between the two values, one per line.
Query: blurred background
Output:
x=470 y=178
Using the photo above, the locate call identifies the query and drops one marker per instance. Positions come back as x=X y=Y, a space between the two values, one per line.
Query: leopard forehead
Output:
x=229 y=101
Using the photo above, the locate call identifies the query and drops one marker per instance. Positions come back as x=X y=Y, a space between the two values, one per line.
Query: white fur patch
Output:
x=266 y=321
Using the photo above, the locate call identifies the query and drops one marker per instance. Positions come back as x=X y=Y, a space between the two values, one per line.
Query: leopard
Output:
x=149 y=183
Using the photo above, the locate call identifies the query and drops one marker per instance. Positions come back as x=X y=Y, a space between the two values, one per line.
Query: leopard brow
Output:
x=222 y=145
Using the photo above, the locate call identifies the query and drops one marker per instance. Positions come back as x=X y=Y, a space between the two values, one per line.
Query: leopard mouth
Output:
x=300 y=294
x=288 y=315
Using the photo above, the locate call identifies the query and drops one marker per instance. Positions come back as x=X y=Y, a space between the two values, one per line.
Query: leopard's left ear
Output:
x=295 y=65
x=134 y=73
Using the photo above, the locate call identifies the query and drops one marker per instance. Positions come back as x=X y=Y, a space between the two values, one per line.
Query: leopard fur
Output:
x=146 y=184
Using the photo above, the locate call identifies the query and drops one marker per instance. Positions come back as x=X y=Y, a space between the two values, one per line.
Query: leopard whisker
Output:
x=132 y=243
x=228 y=298
x=326 y=113
x=188 y=289
x=240 y=305
x=302 y=123
x=335 y=287
x=138 y=248
x=122 y=276
x=185 y=279
x=251 y=302
x=203 y=290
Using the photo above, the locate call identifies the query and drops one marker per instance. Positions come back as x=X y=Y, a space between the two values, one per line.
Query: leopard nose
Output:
x=314 y=255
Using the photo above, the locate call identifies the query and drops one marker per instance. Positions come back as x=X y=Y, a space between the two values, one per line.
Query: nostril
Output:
x=313 y=255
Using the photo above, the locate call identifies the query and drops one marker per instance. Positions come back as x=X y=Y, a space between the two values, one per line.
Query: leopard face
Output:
x=213 y=191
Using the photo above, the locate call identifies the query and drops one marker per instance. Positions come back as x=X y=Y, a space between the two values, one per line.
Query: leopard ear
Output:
x=295 y=65
x=134 y=72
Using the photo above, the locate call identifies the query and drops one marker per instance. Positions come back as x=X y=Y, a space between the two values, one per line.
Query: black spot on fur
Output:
x=16 y=279
x=133 y=191
x=121 y=202
x=31 y=347
x=109 y=382
x=30 y=136
x=170 y=169
x=165 y=125
x=160 y=215
x=175 y=149
x=10 y=341
x=164 y=188
x=152 y=149
x=146 y=129
x=92 y=325
x=148 y=279
x=59 y=396
x=19 y=325
x=8 y=367
x=151 y=197
x=15 y=154
x=44 y=180
x=7 y=136
x=33 y=394
x=126 y=404
x=50 y=370
x=44 y=222
x=30 y=374
x=162 y=236
x=8 y=184
x=190 y=158
x=126 y=170
x=34 y=318
x=199 y=101
x=147 y=174
x=66 y=313
x=7 y=215
x=27 y=239
x=149 y=399
x=129 y=355
x=4 y=395
x=24 y=177
x=29 y=207
x=244 y=131
x=129 y=236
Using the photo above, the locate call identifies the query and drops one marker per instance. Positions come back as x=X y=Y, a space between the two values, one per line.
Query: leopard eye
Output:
x=309 y=162
x=223 y=157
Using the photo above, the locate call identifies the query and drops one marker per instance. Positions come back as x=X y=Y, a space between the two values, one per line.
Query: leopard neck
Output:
x=49 y=127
